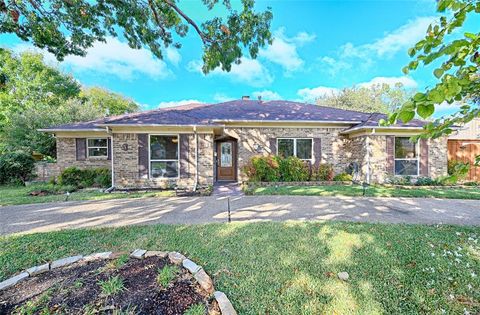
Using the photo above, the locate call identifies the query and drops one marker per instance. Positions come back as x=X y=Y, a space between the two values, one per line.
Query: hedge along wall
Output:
x=310 y=183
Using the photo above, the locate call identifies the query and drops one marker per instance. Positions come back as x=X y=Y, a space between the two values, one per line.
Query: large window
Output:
x=406 y=157
x=97 y=147
x=301 y=148
x=163 y=156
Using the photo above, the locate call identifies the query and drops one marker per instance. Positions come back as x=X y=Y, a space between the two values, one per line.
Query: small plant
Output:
x=111 y=286
x=343 y=177
x=117 y=263
x=196 y=309
x=324 y=172
x=166 y=275
x=78 y=283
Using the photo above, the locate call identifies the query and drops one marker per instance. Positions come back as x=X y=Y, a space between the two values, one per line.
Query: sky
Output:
x=319 y=47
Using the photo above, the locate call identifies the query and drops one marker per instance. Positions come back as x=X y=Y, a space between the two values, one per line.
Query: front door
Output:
x=226 y=160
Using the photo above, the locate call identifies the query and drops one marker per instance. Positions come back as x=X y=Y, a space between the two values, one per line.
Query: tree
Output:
x=379 y=98
x=107 y=102
x=458 y=58
x=67 y=27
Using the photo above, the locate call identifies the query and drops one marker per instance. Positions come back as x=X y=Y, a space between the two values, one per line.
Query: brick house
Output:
x=204 y=143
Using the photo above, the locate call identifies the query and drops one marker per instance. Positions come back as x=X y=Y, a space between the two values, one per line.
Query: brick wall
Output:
x=66 y=156
x=437 y=157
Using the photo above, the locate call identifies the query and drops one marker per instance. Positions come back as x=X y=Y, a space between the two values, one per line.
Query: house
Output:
x=204 y=143
x=464 y=145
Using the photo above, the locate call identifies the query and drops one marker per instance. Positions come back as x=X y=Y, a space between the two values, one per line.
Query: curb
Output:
x=202 y=278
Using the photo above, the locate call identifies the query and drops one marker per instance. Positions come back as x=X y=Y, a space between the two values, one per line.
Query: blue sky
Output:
x=319 y=46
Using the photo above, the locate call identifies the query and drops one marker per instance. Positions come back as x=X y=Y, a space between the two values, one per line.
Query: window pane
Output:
x=97 y=142
x=226 y=154
x=304 y=149
x=164 y=147
x=406 y=167
x=285 y=147
x=164 y=169
x=97 y=152
x=404 y=148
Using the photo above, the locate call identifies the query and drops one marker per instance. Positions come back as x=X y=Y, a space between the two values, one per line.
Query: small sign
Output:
x=125 y=147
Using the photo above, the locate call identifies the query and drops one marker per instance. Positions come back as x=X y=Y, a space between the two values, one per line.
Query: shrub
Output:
x=427 y=181
x=400 y=180
x=16 y=167
x=343 y=177
x=324 y=172
x=457 y=170
x=263 y=169
x=73 y=176
x=292 y=169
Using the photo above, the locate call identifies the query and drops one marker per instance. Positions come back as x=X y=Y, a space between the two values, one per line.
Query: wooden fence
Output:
x=465 y=151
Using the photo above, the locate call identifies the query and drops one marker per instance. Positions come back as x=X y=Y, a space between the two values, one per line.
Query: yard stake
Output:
x=228 y=209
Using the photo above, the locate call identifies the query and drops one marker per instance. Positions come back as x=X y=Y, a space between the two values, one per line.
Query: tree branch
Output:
x=155 y=16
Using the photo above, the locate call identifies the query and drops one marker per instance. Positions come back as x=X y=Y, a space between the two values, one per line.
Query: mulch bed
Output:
x=76 y=290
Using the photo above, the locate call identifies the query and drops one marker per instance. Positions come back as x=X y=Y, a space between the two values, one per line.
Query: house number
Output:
x=125 y=147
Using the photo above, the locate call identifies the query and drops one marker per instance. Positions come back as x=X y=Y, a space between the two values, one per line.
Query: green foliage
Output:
x=457 y=170
x=107 y=102
x=400 y=180
x=343 y=177
x=457 y=68
x=196 y=309
x=324 y=172
x=428 y=181
x=380 y=98
x=263 y=169
x=73 y=176
x=292 y=169
x=111 y=286
x=16 y=166
x=167 y=274
x=71 y=27
x=52 y=189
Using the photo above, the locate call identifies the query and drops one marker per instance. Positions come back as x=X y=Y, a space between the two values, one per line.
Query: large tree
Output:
x=107 y=102
x=66 y=27
x=379 y=98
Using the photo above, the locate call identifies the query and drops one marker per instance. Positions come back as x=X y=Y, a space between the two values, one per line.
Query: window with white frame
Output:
x=97 y=147
x=406 y=157
x=164 y=156
x=299 y=147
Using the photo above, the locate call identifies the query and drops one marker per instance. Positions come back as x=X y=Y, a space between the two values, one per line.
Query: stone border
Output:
x=203 y=279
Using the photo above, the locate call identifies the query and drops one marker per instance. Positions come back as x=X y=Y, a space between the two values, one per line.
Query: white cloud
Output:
x=267 y=95
x=398 y=40
x=220 y=97
x=311 y=94
x=249 y=71
x=303 y=37
x=113 y=57
x=173 y=55
x=406 y=82
x=178 y=103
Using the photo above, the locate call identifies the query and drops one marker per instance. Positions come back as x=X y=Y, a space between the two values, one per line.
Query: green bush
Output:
x=263 y=169
x=427 y=181
x=292 y=169
x=17 y=167
x=73 y=176
x=457 y=171
x=343 y=177
x=324 y=172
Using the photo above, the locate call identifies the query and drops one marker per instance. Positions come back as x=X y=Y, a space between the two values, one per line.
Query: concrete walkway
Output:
x=193 y=210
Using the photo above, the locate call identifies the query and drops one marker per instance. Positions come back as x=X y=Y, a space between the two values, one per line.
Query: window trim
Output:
x=96 y=147
x=163 y=160
x=295 y=146
x=417 y=158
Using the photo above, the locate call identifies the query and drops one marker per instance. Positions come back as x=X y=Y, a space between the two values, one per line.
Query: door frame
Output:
x=234 y=158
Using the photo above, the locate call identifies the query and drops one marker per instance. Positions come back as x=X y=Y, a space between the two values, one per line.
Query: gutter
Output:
x=112 y=187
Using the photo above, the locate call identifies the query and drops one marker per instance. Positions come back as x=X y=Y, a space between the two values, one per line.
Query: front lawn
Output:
x=17 y=195
x=372 y=191
x=291 y=267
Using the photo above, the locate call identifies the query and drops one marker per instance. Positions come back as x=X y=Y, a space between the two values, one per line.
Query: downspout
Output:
x=112 y=187
x=368 y=158
x=195 y=184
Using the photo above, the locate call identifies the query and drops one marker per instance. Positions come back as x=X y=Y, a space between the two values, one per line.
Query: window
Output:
x=163 y=156
x=301 y=148
x=226 y=154
x=406 y=157
x=97 y=147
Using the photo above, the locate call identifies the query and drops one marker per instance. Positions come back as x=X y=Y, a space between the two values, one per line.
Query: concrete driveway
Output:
x=194 y=210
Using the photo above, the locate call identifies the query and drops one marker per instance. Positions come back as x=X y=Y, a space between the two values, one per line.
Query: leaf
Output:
x=406 y=115
x=471 y=36
x=411 y=52
x=425 y=110
x=438 y=72
x=418 y=97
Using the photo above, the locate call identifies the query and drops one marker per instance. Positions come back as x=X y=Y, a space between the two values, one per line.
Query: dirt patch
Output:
x=106 y=287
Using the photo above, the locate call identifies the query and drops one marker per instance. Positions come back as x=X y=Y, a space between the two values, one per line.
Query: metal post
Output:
x=228 y=209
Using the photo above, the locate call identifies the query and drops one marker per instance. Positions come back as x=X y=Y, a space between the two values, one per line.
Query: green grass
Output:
x=196 y=309
x=166 y=275
x=111 y=286
x=372 y=191
x=17 y=195
x=291 y=267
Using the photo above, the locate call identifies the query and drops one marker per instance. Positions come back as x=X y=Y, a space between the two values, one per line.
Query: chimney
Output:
x=245 y=97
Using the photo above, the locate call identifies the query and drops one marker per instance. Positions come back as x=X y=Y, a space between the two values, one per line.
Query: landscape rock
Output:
x=151 y=253
x=176 y=258
x=343 y=276
x=65 y=261
x=191 y=266
x=36 y=270
x=204 y=281
x=96 y=256
x=224 y=303
x=13 y=280
x=138 y=253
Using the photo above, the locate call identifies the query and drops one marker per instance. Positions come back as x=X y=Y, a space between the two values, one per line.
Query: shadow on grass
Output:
x=291 y=267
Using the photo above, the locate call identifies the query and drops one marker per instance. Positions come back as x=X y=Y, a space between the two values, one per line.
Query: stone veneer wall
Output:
x=127 y=168
x=332 y=143
x=437 y=157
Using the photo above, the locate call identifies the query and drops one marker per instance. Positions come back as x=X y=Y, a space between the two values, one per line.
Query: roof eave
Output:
x=70 y=129
x=381 y=127
x=288 y=121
